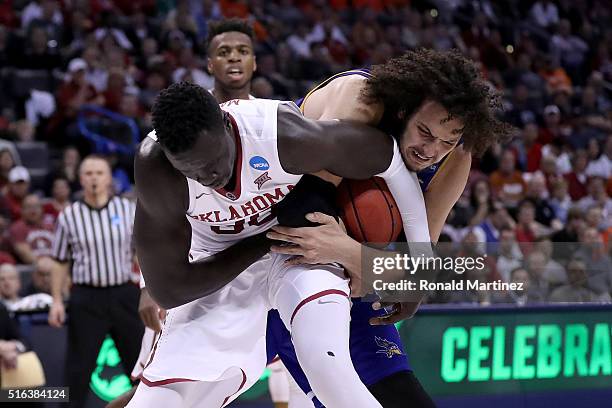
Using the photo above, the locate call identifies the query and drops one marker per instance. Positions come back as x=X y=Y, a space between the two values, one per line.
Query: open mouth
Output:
x=420 y=158
x=235 y=73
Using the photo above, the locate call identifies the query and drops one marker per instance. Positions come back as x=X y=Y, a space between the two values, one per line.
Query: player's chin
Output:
x=414 y=166
x=236 y=82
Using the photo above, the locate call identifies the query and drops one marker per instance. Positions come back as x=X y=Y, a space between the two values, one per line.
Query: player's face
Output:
x=429 y=136
x=231 y=59
x=211 y=160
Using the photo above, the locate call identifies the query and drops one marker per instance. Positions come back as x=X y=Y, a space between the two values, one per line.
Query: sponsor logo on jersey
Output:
x=387 y=347
x=231 y=195
x=261 y=180
x=259 y=163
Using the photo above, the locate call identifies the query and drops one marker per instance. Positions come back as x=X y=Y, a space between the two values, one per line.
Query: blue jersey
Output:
x=376 y=351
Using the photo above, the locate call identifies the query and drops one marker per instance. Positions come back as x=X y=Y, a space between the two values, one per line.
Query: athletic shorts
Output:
x=376 y=351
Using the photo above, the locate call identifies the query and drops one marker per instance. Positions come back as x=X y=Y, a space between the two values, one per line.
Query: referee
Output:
x=93 y=240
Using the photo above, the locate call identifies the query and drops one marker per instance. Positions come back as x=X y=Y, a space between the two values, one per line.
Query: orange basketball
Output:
x=369 y=211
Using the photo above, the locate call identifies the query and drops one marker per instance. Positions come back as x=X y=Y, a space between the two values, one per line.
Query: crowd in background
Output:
x=552 y=60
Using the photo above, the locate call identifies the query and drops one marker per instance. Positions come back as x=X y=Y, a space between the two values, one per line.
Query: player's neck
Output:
x=224 y=95
x=232 y=181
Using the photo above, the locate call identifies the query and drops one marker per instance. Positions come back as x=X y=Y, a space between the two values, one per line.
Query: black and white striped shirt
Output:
x=98 y=241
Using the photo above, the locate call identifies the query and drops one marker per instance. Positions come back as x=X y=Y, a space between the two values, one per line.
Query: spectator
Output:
x=488 y=231
x=557 y=152
x=527 y=228
x=552 y=128
x=96 y=74
x=72 y=95
x=530 y=151
x=521 y=109
x=522 y=297
x=553 y=273
x=576 y=290
x=480 y=201
x=569 y=49
x=7 y=162
x=600 y=164
x=60 y=198
x=509 y=256
x=594 y=218
x=577 y=179
x=10 y=285
x=598 y=263
x=507 y=183
x=560 y=201
x=538 y=195
x=299 y=42
x=37 y=52
x=41 y=279
x=32 y=235
x=43 y=9
x=68 y=169
x=565 y=241
x=523 y=73
x=544 y=13
x=18 y=188
x=557 y=80
x=535 y=263
x=597 y=196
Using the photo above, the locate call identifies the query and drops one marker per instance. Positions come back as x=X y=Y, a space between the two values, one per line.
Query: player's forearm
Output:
x=190 y=281
x=370 y=151
x=405 y=188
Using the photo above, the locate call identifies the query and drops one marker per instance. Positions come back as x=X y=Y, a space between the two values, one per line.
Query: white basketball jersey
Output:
x=219 y=218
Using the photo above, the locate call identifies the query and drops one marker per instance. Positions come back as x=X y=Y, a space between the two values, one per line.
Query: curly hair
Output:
x=181 y=112
x=404 y=83
x=224 y=26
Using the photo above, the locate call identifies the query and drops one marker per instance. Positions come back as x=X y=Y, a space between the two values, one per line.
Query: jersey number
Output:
x=238 y=226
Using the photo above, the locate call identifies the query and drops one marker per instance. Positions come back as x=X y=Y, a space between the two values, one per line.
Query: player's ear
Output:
x=254 y=63
x=209 y=65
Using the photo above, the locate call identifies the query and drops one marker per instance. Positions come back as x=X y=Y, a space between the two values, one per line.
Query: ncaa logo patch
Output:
x=259 y=163
x=115 y=220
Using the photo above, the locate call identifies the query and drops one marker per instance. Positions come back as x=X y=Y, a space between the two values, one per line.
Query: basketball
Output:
x=369 y=211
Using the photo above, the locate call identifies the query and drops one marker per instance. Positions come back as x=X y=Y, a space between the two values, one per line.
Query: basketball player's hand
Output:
x=326 y=243
x=396 y=312
x=150 y=313
x=57 y=314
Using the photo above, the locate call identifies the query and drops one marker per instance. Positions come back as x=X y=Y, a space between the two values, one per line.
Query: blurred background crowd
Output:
x=79 y=76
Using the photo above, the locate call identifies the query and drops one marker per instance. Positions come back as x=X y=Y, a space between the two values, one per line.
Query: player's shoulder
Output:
x=148 y=149
x=149 y=154
x=350 y=81
x=253 y=105
x=151 y=167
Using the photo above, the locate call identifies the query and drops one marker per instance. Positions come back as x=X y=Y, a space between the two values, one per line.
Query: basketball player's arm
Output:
x=446 y=188
x=163 y=237
x=344 y=148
